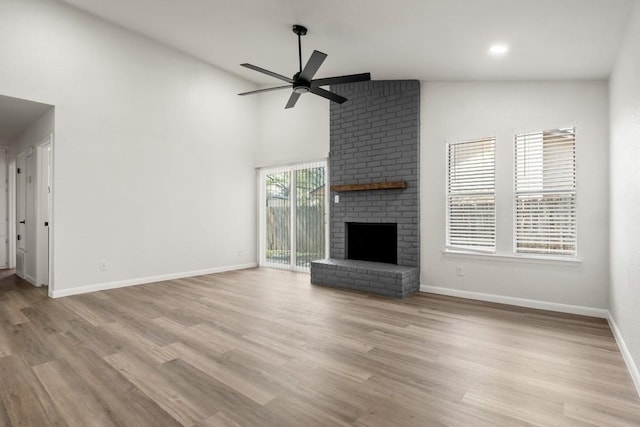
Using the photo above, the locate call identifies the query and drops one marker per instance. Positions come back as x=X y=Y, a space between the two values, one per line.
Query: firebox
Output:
x=377 y=242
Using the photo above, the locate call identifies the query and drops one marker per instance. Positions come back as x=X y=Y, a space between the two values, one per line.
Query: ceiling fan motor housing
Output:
x=300 y=85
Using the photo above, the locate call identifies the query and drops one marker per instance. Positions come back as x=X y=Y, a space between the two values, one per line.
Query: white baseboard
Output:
x=626 y=355
x=30 y=280
x=520 y=302
x=143 y=280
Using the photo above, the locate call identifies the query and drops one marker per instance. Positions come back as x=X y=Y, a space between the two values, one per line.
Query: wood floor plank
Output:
x=83 y=308
x=24 y=400
x=216 y=396
x=219 y=419
x=29 y=342
x=599 y=416
x=263 y=347
x=227 y=341
x=73 y=399
x=218 y=371
x=126 y=403
x=130 y=339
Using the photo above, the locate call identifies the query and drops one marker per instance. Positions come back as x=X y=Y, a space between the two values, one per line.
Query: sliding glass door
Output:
x=293 y=215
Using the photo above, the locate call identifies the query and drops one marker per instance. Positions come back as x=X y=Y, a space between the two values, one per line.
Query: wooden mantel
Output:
x=370 y=186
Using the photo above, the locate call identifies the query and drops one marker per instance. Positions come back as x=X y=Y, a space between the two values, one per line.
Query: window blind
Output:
x=545 y=192
x=471 y=207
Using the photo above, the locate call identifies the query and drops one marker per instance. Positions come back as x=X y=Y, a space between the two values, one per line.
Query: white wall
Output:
x=153 y=152
x=294 y=135
x=462 y=111
x=624 y=296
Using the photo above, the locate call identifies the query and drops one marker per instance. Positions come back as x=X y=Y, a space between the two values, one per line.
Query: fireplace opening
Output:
x=377 y=242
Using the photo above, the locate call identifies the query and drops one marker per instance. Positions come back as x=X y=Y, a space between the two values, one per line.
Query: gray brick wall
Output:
x=374 y=137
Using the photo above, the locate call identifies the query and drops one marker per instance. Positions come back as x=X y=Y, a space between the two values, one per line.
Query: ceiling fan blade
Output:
x=292 y=100
x=267 y=72
x=329 y=95
x=310 y=70
x=351 y=78
x=265 y=90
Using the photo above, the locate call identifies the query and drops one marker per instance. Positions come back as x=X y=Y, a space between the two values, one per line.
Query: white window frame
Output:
x=574 y=192
x=463 y=248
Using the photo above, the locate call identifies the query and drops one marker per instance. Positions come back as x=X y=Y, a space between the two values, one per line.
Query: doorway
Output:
x=33 y=203
x=26 y=131
x=293 y=215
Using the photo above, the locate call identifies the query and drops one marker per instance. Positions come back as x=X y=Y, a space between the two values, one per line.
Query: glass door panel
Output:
x=278 y=218
x=310 y=215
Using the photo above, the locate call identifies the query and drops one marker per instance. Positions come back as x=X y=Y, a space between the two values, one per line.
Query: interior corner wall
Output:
x=624 y=296
x=464 y=111
x=153 y=151
x=37 y=131
x=292 y=135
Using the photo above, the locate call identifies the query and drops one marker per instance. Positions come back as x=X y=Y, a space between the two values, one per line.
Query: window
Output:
x=545 y=192
x=471 y=200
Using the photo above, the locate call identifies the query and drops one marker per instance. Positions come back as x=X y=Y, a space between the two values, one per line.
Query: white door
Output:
x=43 y=213
x=21 y=214
x=4 y=211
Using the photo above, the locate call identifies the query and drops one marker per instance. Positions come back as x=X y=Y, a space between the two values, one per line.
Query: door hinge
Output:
x=18 y=170
x=18 y=237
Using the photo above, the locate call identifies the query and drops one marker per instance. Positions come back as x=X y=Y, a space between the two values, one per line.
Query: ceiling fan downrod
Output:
x=300 y=31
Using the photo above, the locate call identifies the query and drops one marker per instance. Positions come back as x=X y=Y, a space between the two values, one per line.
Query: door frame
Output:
x=262 y=190
x=41 y=206
x=11 y=232
x=5 y=178
x=52 y=222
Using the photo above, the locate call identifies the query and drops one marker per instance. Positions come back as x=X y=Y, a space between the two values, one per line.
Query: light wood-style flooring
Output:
x=263 y=347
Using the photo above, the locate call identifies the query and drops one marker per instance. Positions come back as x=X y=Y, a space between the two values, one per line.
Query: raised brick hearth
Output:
x=374 y=137
x=384 y=279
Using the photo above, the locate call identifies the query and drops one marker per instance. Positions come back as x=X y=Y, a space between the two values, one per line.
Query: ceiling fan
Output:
x=302 y=81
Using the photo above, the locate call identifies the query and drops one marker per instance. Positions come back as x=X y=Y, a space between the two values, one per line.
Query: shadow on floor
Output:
x=10 y=281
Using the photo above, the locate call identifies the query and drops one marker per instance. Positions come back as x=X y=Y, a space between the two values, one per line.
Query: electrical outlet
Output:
x=103 y=265
x=459 y=271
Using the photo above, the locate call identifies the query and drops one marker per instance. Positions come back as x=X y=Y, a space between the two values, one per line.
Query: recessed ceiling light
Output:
x=498 y=49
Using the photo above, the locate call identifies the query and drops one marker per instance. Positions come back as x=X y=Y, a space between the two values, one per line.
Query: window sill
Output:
x=512 y=258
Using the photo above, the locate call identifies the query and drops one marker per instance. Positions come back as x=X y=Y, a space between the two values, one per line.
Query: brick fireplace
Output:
x=374 y=145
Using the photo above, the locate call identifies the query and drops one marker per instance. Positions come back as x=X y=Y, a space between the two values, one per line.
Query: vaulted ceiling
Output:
x=434 y=40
